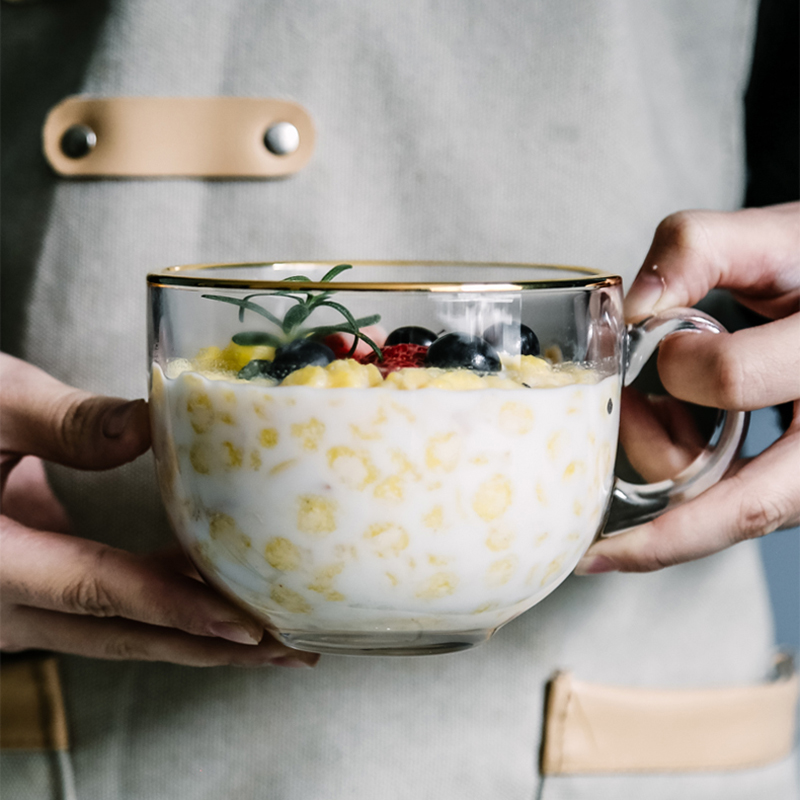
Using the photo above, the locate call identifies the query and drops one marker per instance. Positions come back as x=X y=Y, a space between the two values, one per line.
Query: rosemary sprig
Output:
x=291 y=326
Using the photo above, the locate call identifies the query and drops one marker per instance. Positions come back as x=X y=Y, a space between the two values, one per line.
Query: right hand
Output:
x=62 y=593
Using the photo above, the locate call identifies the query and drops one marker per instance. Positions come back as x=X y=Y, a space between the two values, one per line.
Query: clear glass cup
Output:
x=413 y=513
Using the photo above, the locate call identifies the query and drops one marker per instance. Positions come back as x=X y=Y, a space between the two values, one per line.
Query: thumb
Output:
x=46 y=418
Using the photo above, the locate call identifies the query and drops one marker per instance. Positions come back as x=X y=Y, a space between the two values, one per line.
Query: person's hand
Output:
x=66 y=594
x=755 y=254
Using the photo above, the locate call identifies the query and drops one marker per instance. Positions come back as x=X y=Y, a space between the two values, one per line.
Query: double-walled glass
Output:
x=358 y=513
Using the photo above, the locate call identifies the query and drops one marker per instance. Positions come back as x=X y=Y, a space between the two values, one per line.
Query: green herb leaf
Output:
x=256 y=338
x=245 y=305
x=279 y=293
x=372 y=344
x=354 y=328
x=337 y=270
x=290 y=325
x=295 y=317
x=343 y=311
x=325 y=330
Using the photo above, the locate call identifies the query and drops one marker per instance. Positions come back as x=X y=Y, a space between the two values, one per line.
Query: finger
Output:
x=77 y=576
x=749 y=369
x=754 y=252
x=658 y=435
x=173 y=559
x=46 y=418
x=27 y=628
x=28 y=498
x=761 y=497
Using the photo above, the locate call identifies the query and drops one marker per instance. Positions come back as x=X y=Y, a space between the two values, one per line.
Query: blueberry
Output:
x=454 y=350
x=411 y=334
x=515 y=340
x=288 y=358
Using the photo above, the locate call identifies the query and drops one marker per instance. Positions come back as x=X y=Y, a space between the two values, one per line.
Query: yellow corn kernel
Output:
x=441 y=584
x=365 y=434
x=290 y=600
x=515 y=419
x=307 y=376
x=323 y=580
x=390 y=488
x=501 y=571
x=268 y=437
x=461 y=380
x=387 y=539
x=493 y=498
x=232 y=358
x=283 y=466
x=501 y=382
x=553 y=569
x=349 y=373
x=434 y=519
x=316 y=514
x=200 y=457
x=354 y=469
x=553 y=354
x=554 y=445
x=223 y=528
x=282 y=554
x=574 y=468
x=200 y=410
x=404 y=466
x=232 y=456
x=404 y=412
x=443 y=452
x=499 y=539
x=310 y=433
x=409 y=379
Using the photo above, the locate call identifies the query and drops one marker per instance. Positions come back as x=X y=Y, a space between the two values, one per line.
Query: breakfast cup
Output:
x=400 y=457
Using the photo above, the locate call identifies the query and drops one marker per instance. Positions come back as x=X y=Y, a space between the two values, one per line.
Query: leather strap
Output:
x=208 y=137
x=591 y=728
x=32 y=715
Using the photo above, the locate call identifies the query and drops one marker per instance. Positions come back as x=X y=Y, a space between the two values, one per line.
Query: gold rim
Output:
x=175 y=277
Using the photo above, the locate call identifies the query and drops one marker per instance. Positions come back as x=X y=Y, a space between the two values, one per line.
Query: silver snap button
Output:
x=282 y=138
x=78 y=141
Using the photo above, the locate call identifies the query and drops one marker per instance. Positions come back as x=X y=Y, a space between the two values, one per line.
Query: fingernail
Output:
x=118 y=418
x=594 y=565
x=293 y=662
x=645 y=294
x=233 y=632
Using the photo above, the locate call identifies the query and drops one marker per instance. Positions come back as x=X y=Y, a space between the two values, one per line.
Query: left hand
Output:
x=755 y=254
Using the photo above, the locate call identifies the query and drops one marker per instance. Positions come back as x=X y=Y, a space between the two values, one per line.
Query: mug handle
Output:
x=634 y=504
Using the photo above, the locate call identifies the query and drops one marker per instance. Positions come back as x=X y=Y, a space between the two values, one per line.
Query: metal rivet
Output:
x=282 y=139
x=78 y=141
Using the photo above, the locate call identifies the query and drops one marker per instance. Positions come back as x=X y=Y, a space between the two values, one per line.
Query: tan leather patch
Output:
x=590 y=728
x=148 y=137
x=32 y=713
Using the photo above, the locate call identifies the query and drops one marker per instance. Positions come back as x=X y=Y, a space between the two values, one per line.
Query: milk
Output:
x=367 y=509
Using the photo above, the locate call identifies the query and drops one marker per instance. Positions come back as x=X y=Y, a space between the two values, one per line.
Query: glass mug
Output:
x=360 y=498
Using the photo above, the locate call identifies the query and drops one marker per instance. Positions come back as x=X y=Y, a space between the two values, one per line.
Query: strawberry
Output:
x=397 y=356
x=341 y=343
